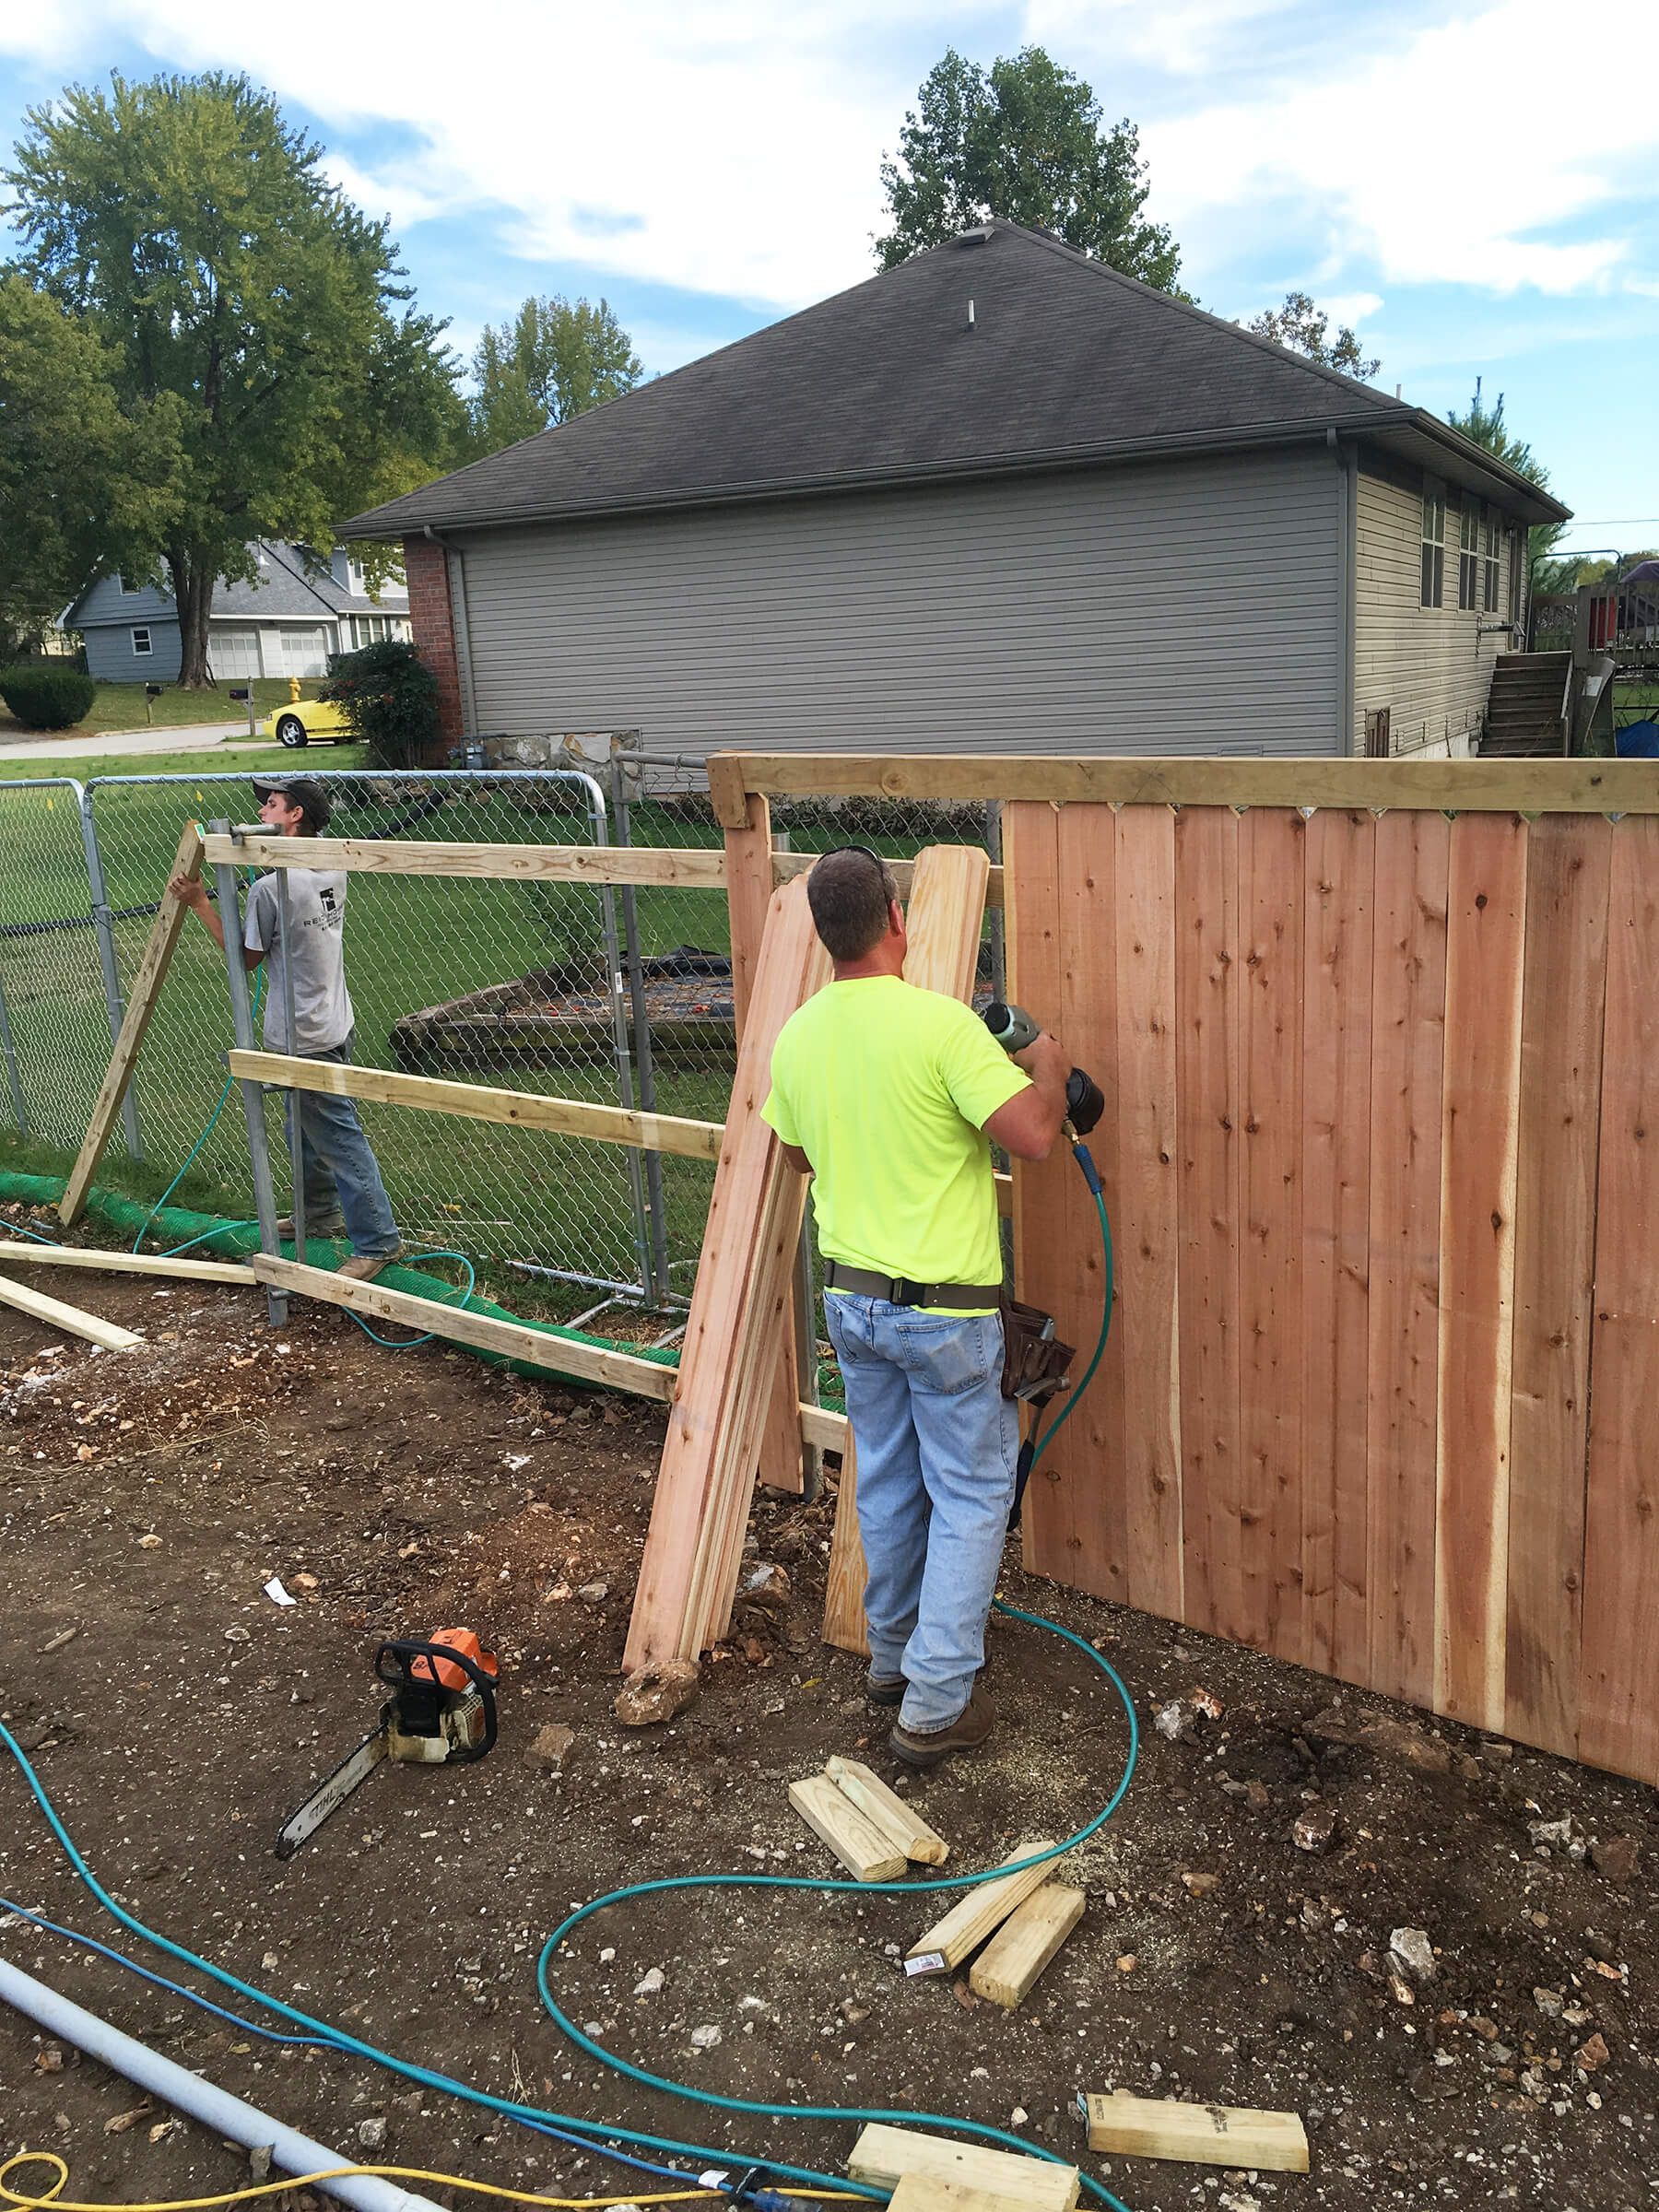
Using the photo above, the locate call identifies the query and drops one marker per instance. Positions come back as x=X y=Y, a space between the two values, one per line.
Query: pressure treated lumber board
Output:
x=984 y=1909
x=944 y=919
x=711 y=1451
x=884 y=2156
x=1205 y=2135
x=506 y=864
x=749 y=886
x=1007 y=1970
x=484 y=1102
x=785 y=864
x=867 y=1854
x=1485 y=930
x=887 y=1811
x=1568 y=867
x=153 y=964
x=484 y=1332
x=920 y=2193
x=1618 y=1691
x=1408 y=1009
x=1563 y=786
x=124 y=1263
x=55 y=1314
x=1337 y=888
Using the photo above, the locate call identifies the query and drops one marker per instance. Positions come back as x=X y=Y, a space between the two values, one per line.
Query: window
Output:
x=128 y=590
x=370 y=629
x=141 y=641
x=1468 y=553
x=1494 y=539
x=1517 y=542
x=1434 y=543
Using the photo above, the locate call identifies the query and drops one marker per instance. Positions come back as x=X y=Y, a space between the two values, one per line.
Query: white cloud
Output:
x=1181 y=36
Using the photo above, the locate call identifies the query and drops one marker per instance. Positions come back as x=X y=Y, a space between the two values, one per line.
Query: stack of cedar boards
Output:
x=689 y=1573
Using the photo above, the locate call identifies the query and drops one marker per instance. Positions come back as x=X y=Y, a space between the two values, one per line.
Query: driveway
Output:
x=189 y=737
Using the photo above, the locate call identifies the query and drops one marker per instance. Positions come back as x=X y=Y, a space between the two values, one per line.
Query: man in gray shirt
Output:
x=343 y=1192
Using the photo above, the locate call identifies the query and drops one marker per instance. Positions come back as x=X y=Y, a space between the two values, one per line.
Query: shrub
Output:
x=47 y=699
x=390 y=701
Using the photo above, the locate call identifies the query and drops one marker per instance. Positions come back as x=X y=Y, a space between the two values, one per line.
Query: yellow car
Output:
x=307 y=722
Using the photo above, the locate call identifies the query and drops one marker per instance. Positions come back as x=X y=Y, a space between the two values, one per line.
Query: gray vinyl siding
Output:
x=1191 y=608
x=111 y=658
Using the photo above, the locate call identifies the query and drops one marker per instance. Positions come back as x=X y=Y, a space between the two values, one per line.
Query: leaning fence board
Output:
x=1205 y=2135
x=680 y=865
x=1568 y=865
x=1005 y=1971
x=984 y=1908
x=867 y=1853
x=1618 y=1693
x=55 y=1314
x=482 y=1102
x=153 y=965
x=124 y=1263
x=844 y=1623
x=485 y=1332
x=883 y=2157
x=1487 y=915
x=909 y=1834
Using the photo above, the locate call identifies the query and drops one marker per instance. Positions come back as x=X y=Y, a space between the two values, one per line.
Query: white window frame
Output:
x=1433 y=576
x=1468 y=555
x=1493 y=536
x=128 y=590
x=142 y=629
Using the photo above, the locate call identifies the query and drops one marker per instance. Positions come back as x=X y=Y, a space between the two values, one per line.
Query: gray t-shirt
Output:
x=316 y=901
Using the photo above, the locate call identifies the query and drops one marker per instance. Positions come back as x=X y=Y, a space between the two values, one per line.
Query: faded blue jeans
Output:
x=936 y=1443
x=341 y=1174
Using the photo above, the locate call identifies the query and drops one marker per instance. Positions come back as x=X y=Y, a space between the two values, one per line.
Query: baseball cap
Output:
x=300 y=790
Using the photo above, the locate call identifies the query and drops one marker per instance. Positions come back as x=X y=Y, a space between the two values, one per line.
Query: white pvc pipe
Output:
x=214 y=2107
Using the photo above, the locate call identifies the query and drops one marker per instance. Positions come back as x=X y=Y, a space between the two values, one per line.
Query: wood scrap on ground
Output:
x=1007 y=1970
x=981 y=1912
x=905 y=1827
x=863 y=1849
x=924 y=2193
x=884 y=2156
x=124 y=1263
x=57 y=1315
x=1205 y=2135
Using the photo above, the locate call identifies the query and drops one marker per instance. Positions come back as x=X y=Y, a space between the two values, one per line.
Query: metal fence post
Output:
x=643 y=1062
x=621 y=1042
x=14 y=1077
x=252 y=1096
x=291 y=1103
x=104 y=928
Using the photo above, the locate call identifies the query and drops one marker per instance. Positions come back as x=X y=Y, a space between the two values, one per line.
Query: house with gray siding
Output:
x=1000 y=498
x=300 y=609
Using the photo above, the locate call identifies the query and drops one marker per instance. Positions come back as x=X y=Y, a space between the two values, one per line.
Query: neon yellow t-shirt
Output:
x=886 y=1090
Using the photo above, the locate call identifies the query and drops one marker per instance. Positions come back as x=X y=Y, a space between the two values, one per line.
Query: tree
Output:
x=1485 y=428
x=556 y=358
x=1023 y=141
x=79 y=481
x=1302 y=326
x=191 y=231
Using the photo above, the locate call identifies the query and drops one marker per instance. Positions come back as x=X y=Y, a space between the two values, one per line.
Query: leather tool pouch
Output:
x=1035 y=1363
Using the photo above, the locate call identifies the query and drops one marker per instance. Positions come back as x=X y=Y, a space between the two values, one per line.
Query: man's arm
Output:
x=1028 y=1125
x=193 y=892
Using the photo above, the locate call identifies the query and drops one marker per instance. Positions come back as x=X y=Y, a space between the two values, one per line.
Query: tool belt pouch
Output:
x=1035 y=1363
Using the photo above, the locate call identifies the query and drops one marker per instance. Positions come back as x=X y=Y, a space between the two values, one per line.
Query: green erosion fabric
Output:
x=237 y=1240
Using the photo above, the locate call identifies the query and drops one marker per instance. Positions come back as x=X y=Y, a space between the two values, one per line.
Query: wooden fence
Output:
x=1380 y=1057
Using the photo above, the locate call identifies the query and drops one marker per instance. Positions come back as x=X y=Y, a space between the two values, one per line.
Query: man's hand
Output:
x=1028 y=1125
x=190 y=890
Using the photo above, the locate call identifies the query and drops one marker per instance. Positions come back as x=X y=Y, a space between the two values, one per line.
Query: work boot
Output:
x=884 y=1690
x=331 y=1226
x=926 y=1747
x=363 y=1267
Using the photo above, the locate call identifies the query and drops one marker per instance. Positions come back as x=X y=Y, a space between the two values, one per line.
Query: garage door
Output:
x=304 y=651
x=233 y=652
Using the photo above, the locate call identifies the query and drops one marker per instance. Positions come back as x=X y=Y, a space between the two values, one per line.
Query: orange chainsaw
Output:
x=441 y=1711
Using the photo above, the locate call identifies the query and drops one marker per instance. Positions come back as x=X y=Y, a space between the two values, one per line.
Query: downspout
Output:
x=1347 y=572
x=203 y=2101
x=454 y=576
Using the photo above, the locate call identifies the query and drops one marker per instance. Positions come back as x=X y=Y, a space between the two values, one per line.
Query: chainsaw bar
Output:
x=328 y=1796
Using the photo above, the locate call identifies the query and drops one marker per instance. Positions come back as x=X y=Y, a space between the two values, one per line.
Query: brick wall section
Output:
x=426 y=566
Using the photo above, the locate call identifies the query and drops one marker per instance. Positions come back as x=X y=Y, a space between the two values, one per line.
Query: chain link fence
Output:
x=615 y=995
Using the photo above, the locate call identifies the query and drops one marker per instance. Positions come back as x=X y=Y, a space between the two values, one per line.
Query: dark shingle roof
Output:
x=1065 y=361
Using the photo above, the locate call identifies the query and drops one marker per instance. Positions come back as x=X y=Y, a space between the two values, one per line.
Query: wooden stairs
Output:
x=1523 y=713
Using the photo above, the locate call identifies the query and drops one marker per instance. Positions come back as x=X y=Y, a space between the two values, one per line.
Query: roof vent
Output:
x=979 y=236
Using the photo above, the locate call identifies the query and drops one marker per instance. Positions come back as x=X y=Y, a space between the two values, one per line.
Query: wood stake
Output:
x=984 y=1910
x=899 y=1822
x=1205 y=2135
x=883 y=2157
x=1008 y=1966
x=56 y=1315
x=863 y=1849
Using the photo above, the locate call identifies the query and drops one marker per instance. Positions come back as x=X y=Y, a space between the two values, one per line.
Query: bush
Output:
x=390 y=701
x=44 y=698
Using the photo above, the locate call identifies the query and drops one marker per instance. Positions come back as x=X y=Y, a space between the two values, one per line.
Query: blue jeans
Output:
x=936 y=1443
x=340 y=1173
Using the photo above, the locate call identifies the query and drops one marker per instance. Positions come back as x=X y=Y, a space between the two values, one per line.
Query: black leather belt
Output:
x=901 y=1290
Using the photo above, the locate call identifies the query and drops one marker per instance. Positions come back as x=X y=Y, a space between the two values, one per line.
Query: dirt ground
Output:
x=176 y=1713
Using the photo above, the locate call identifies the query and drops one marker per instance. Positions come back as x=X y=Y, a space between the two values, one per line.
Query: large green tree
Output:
x=1024 y=140
x=1485 y=427
x=1305 y=328
x=80 y=482
x=192 y=232
x=555 y=359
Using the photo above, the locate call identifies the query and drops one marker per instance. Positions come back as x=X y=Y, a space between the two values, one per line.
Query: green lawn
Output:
x=123 y=707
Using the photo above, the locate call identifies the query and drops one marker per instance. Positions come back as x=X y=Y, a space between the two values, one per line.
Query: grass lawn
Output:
x=123 y=707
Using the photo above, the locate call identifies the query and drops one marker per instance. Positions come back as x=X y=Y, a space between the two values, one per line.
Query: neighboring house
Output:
x=1000 y=498
x=302 y=610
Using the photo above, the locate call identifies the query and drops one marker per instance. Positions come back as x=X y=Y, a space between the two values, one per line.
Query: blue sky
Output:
x=1472 y=183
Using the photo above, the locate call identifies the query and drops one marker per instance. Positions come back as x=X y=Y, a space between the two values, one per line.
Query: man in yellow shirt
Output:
x=891 y=1097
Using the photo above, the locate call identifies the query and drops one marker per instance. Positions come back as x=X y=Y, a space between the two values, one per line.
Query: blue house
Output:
x=301 y=608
